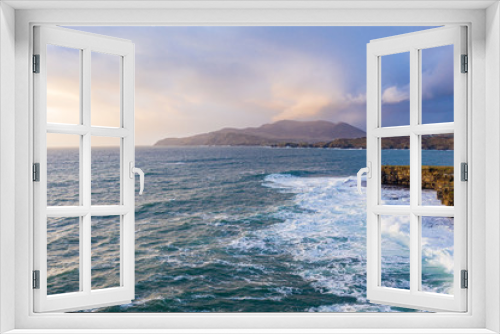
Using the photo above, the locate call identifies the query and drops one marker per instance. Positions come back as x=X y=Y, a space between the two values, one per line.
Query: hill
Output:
x=294 y=132
x=429 y=142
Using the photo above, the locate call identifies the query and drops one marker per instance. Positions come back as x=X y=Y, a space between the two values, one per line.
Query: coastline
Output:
x=438 y=178
x=434 y=142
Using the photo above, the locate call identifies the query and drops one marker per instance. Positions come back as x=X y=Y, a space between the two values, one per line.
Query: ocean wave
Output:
x=324 y=232
x=341 y=308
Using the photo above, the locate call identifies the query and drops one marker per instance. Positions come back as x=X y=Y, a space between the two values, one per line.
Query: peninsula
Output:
x=311 y=134
x=278 y=133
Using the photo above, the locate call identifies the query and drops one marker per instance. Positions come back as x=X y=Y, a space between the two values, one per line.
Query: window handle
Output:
x=367 y=171
x=134 y=170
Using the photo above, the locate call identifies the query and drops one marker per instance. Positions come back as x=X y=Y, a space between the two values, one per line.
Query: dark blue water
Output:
x=242 y=229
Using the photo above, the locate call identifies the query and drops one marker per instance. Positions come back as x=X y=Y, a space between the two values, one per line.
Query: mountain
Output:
x=271 y=134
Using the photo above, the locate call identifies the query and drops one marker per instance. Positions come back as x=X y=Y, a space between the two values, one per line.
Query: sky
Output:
x=192 y=80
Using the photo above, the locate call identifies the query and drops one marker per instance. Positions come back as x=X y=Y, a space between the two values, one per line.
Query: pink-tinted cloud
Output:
x=395 y=94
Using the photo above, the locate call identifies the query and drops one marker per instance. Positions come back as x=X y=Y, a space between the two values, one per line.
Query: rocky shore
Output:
x=430 y=142
x=438 y=178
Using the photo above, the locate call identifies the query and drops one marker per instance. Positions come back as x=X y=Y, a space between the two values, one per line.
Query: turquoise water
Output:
x=243 y=229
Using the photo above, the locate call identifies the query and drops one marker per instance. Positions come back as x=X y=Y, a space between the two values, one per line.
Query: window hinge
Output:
x=464 y=171
x=36 y=172
x=465 y=279
x=36 y=63
x=465 y=64
x=36 y=279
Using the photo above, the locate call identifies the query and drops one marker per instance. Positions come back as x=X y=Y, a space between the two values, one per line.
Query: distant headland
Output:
x=313 y=134
x=272 y=134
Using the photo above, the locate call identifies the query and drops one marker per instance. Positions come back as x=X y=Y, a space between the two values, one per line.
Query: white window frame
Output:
x=483 y=102
x=85 y=297
x=413 y=44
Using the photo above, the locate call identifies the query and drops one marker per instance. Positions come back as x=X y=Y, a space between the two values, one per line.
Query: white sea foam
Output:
x=351 y=308
x=327 y=227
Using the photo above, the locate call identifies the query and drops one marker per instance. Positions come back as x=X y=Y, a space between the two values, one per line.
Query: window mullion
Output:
x=418 y=167
x=414 y=170
x=85 y=236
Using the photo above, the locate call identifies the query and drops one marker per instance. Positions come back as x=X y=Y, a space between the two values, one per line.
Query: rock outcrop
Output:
x=438 y=178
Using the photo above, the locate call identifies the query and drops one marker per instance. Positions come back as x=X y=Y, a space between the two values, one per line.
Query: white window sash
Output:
x=86 y=297
x=412 y=43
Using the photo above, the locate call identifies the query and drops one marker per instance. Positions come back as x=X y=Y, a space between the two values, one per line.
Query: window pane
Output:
x=437 y=254
x=395 y=171
x=63 y=169
x=63 y=250
x=395 y=92
x=106 y=171
x=105 y=252
x=437 y=170
x=63 y=85
x=105 y=91
x=395 y=249
x=437 y=84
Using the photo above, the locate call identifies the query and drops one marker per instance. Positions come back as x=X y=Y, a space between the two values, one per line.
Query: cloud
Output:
x=306 y=87
x=358 y=99
x=302 y=86
x=305 y=106
x=336 y=106
x=437 y=73
x=63 y=86
x=394 y=94
x=226 y=88
x=203 y=79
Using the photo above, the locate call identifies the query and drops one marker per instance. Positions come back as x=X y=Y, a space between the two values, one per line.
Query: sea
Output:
x=244 y=229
